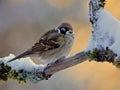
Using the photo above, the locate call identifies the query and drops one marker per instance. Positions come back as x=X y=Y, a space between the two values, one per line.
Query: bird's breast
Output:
x=63 y=50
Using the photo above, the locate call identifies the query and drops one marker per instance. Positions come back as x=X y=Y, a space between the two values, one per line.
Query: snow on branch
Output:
x=104 y=42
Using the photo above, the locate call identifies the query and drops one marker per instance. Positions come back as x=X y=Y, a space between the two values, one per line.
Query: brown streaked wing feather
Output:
x=46 y=43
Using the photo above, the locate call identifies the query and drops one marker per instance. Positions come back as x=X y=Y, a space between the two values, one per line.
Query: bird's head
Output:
x=64 y=28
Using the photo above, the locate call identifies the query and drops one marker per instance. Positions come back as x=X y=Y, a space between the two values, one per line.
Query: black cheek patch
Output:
x=63 y=32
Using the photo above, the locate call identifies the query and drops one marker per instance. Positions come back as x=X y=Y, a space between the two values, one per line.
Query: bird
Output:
x=53 y=45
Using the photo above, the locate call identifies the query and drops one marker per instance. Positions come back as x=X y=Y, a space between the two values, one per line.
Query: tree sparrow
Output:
x=53 y=45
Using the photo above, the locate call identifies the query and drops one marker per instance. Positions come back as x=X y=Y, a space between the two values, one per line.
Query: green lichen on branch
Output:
x=7 y=73
x=117 y=63
x=101 y=55
x=4 y=71
x=20 y=75
x=102 y=3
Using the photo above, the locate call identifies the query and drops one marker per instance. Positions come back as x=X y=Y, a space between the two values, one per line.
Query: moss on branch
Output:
x=102 y=55
x=4 y=71
x=102 y=3
x=21 y=75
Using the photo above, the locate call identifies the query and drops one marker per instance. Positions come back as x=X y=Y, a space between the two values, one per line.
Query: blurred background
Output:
x=22 y=22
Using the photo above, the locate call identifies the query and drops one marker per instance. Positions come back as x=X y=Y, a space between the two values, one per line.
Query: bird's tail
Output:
x=21 y=55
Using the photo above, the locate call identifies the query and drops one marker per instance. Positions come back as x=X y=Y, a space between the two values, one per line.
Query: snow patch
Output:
x=23 y=63
x=106 y=32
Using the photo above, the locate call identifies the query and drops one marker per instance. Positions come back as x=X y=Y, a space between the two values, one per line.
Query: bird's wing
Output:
x=47 y=42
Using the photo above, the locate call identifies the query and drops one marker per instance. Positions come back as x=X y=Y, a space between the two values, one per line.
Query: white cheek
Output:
x=57 y=29
x=68 y=32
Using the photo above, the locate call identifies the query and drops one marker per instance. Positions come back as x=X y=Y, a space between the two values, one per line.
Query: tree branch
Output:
x=65 y=63
x=25 y=69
